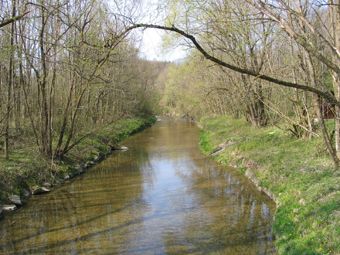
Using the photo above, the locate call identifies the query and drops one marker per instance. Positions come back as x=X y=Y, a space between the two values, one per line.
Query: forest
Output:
x=70 y=69
x=65 y=73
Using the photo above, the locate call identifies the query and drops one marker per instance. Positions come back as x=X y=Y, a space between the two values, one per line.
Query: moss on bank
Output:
x=298 y=172
x=26 y=168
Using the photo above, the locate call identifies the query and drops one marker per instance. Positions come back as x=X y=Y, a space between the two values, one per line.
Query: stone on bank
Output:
x=15 y=199
x=40 y=190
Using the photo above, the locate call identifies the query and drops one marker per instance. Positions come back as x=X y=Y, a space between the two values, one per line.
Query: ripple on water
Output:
x=160 y=197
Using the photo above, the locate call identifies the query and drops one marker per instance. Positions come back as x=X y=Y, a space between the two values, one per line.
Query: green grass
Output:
x=26 y=168
x=297 y=171
x=98 y=144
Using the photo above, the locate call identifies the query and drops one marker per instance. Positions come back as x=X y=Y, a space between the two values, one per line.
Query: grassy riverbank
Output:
x=27 y=169
x=297 y=172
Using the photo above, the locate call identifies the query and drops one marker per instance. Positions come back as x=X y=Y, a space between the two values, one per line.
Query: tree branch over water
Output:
x=326 y=95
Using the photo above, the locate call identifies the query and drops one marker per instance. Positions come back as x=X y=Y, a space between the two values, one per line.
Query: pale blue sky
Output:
x=151 y=46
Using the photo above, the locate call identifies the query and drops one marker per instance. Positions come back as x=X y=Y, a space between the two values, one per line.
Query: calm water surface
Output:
x=160 y=197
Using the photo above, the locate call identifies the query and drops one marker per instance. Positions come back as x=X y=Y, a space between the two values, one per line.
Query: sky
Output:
x=151 y=44
x=151 y=48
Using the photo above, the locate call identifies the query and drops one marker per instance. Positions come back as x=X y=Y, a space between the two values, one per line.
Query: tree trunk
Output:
x=10 y=84
x=46 y=141
x=335 y=14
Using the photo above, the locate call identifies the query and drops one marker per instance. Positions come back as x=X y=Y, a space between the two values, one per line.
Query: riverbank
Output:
x=27 y=171
x=297 y=173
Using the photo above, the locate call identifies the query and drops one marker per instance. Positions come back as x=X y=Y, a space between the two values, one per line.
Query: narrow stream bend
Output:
x=160 y=197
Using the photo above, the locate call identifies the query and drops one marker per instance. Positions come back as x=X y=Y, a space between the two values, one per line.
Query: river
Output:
x=162 y=196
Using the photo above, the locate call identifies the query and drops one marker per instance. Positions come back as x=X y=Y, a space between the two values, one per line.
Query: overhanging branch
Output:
x=326 y=95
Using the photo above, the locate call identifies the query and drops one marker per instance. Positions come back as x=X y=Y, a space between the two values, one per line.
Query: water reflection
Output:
x=160 y=197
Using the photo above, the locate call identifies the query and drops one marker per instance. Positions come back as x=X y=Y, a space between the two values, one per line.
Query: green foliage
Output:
x=205 y=145
x=328 y=81
x=183 y=87
x=299 y=174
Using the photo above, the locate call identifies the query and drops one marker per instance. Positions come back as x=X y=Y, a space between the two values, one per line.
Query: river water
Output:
x=162 y=196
